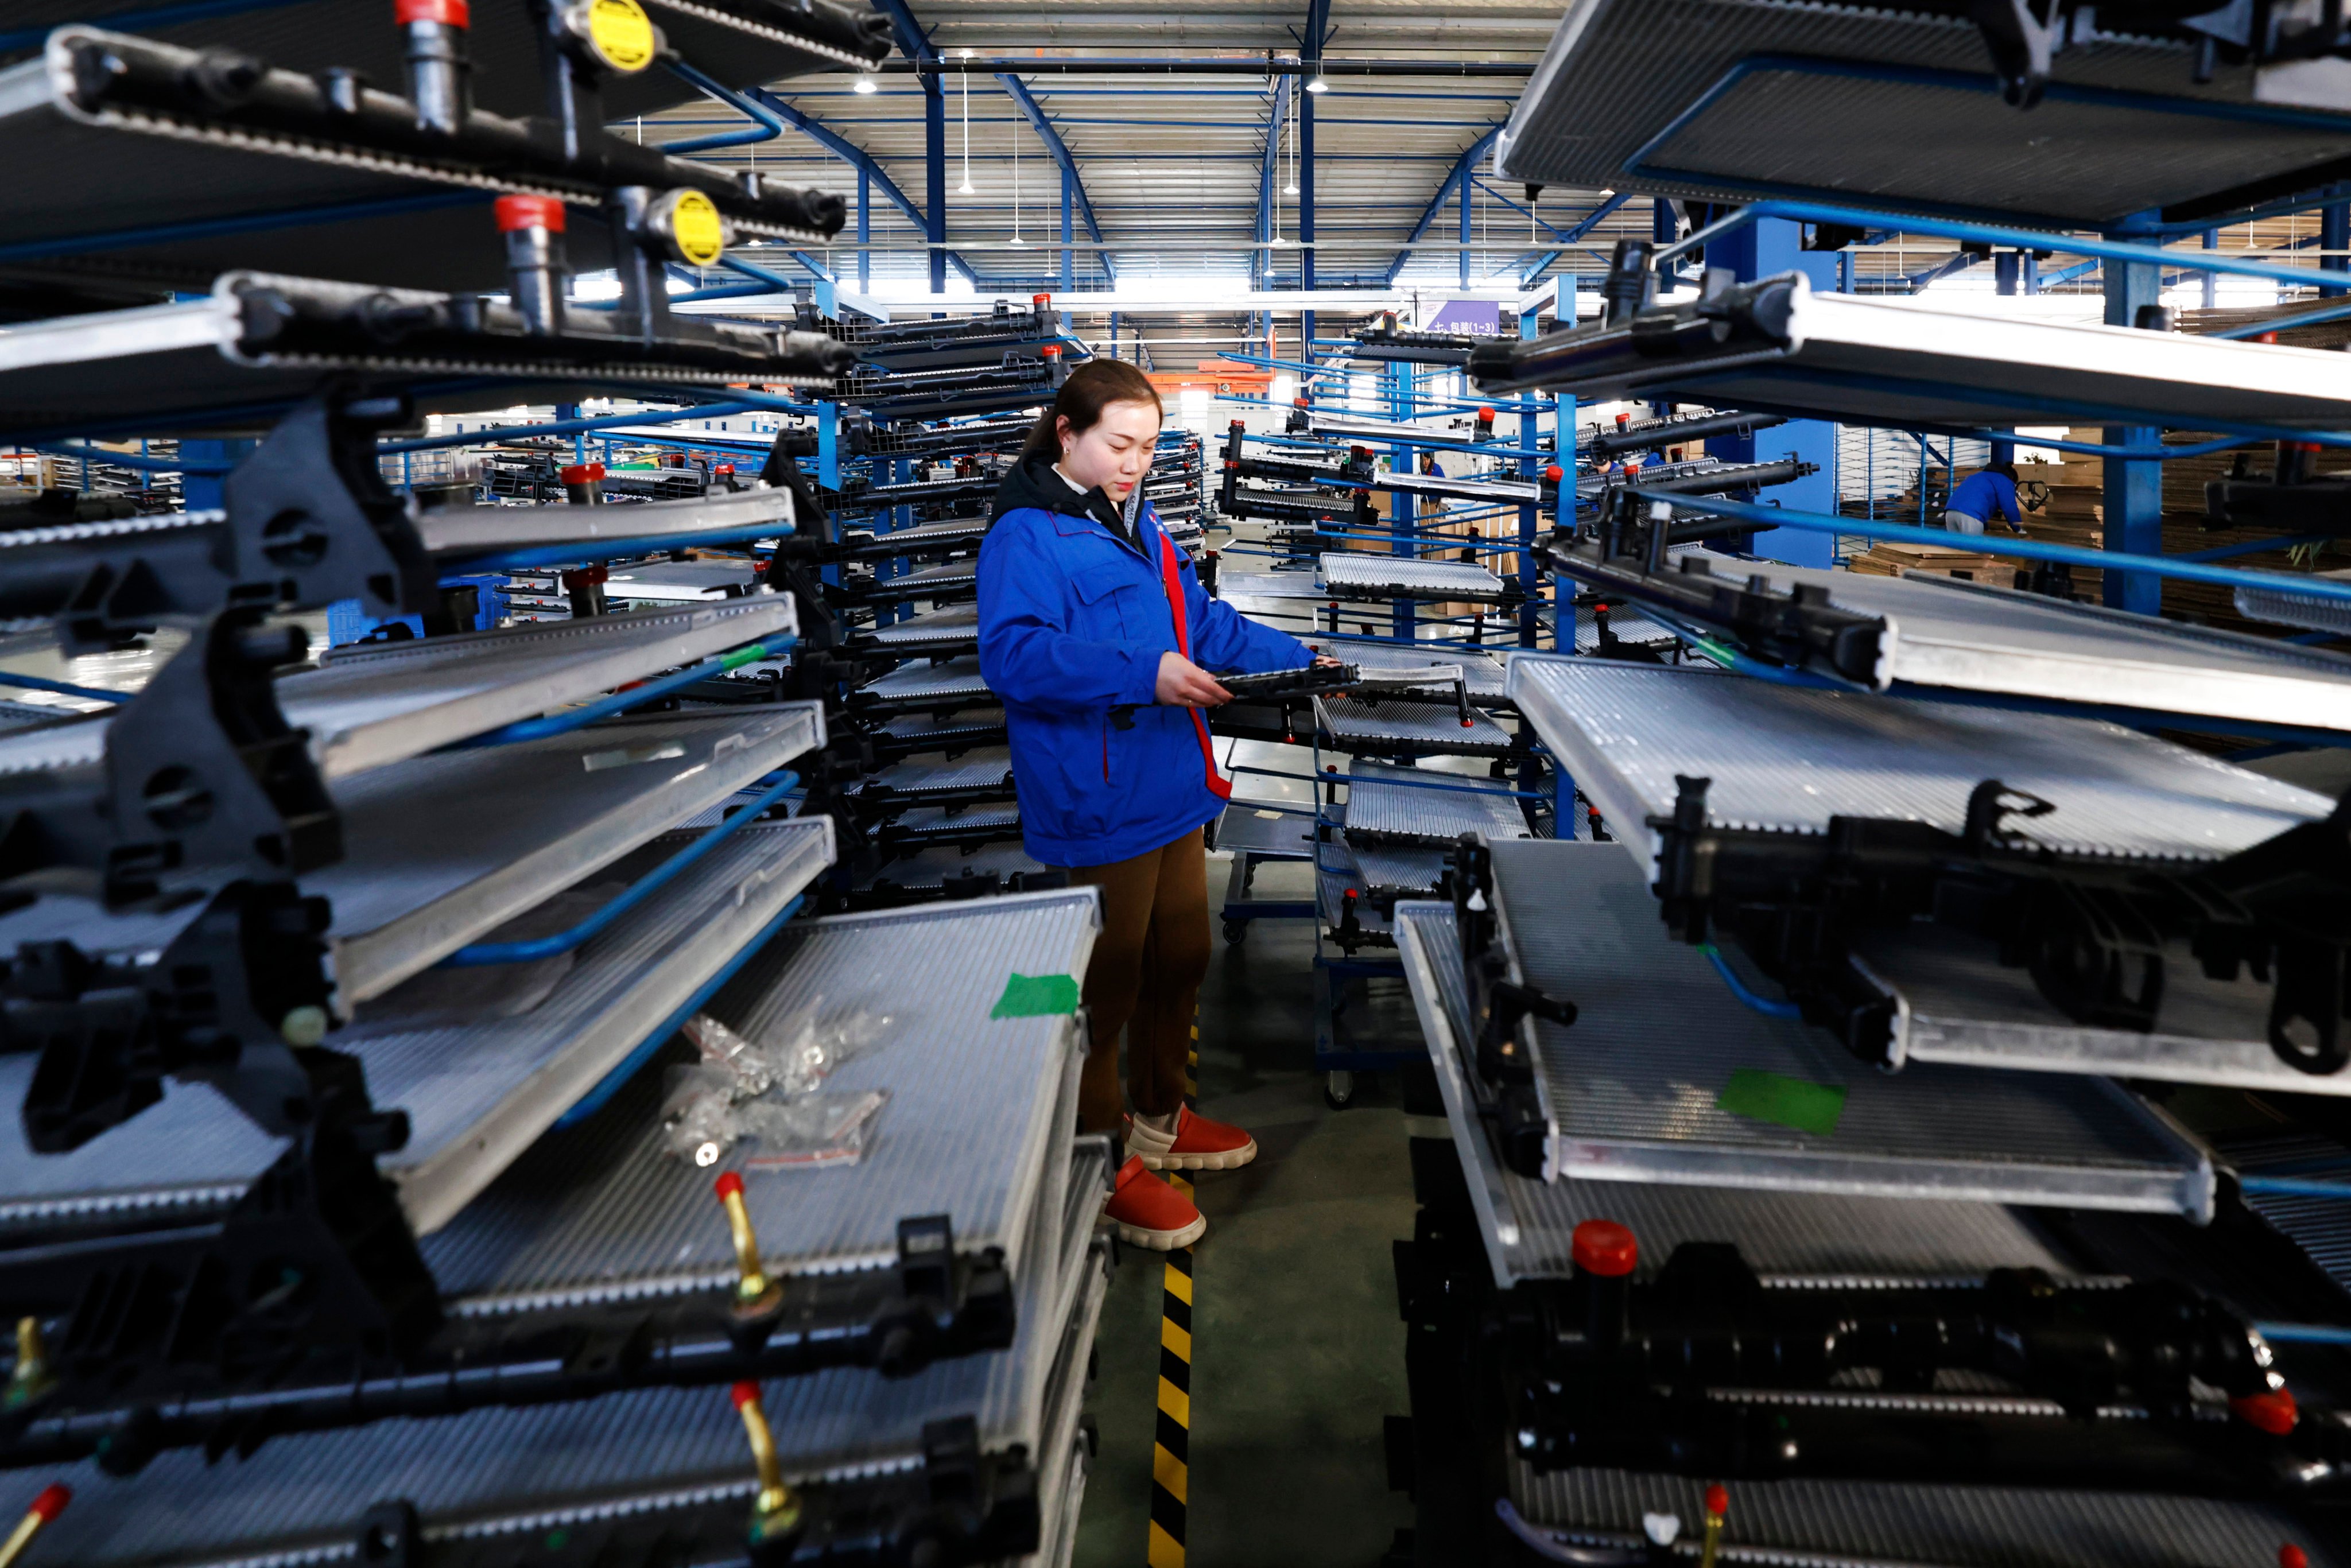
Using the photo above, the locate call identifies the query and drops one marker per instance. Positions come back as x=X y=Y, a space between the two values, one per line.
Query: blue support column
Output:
x=1567 y=822
x=1562 y=421
x=1462 y=185
x=827 y=445
x=203 y=492
x=2134 y=491
x=1318 y=25
x=1530 y=516
x=2334 y=238
x=935 y=178
x=1767 y=247
x=1306 y=219
x=1401 y=510
x=1069 y=258
x=864 y=231
x=2008 y=273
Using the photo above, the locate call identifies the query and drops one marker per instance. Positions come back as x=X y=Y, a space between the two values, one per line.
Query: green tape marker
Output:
x=1036 y=996
x=1788 y=1101
x=742 y=656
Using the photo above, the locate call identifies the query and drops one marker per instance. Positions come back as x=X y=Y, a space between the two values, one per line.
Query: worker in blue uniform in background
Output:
x=1981 y=494
x=1099 y=642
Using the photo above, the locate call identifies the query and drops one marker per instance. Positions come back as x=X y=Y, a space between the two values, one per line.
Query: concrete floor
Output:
x=1297 y=1350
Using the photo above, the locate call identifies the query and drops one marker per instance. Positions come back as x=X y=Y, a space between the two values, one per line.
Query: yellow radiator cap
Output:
x=622 y=34
x=695 y=228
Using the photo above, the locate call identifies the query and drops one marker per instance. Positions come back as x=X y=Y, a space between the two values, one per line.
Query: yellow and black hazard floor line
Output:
x=1192 y=1064
x=1171 y=1446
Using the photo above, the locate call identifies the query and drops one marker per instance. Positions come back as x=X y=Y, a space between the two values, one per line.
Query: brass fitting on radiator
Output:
x=31 y=1378
x=775 y=1511
x=46 y=1508
x=754 y=1291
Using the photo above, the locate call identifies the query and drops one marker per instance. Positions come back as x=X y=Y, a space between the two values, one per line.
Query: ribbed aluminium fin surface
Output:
x=484 y=1060
x=1973 y=637
x=1529 y=1226
x=1482 y=673
x=1638 y=1098
x=1397 y=727
x=1412 y=806
x=300 y=1499
x=1385 y=870
x=971 y=1115
x=1856 y=1524
x=941 y=863
x=2284 y=606
x=1355 y=574
x=917 y=683
x=1877 y=104
x=1789 y=758
x=440 y=847
x=369 y=704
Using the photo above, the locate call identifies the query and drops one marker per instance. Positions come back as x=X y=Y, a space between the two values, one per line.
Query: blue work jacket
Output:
x=1073 y=620
x=1983 y=495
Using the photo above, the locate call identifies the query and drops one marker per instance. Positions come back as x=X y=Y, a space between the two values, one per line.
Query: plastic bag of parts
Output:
x=702 y=1117
x=794 y=1058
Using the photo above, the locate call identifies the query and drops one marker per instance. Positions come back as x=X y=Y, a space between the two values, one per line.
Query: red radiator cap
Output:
x=1604 y=1247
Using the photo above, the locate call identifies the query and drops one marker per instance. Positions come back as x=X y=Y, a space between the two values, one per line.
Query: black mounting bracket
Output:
x=1497 y=1059
x=1799 y=629
x=2092 y=932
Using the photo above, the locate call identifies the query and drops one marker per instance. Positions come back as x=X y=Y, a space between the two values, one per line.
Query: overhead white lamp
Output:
x=866 y=84
x=1315 y=82
x=1291 y=187
x=965 y=189
x=1016 y=188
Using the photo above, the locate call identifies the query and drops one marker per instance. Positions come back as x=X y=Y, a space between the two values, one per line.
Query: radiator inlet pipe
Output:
x=584 y=483
x=533 y=227
x=439 y=72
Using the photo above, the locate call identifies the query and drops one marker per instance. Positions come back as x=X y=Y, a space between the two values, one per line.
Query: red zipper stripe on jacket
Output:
x=1171 y=580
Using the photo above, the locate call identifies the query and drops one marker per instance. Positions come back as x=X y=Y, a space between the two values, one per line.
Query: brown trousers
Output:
x=1144 y=978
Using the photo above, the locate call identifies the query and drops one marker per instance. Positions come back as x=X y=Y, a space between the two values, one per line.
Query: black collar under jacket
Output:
x=1033 y=483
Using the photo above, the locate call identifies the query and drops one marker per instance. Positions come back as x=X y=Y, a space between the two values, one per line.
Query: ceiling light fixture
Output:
x=1016 y=185
x=965 y=189
x=1315 y=82
x=1290 y=189
x=866 y=84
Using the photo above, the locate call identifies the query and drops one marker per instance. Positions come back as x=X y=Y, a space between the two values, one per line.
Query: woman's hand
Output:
x=1183 y=684
x=1325 y=662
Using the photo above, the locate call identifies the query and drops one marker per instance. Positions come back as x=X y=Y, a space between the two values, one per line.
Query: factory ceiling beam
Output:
x=864 y=162
x=1457 y=178
x=1075 y=186
x=1585 y=226
x=915 y=45
x=1318 y=33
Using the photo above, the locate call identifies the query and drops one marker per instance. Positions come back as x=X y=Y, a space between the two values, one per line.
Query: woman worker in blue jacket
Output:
x=1099 y=640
